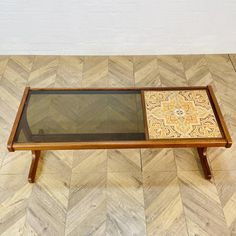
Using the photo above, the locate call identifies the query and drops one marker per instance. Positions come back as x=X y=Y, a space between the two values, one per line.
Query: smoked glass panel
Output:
x=67 y=116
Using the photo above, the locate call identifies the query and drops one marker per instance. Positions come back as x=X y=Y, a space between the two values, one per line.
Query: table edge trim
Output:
x=225 y=141
x=122 y=144
x=10 y=142
x=220 y=117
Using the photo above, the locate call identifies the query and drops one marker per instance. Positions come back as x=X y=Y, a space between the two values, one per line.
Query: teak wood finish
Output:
x=34 y=165
x=201 y=143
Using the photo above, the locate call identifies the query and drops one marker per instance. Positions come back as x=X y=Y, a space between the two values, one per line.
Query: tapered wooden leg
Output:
x=202 y=152
x=34 y=164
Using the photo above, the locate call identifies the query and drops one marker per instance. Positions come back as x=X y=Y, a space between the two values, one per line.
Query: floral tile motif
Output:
x=180 y=114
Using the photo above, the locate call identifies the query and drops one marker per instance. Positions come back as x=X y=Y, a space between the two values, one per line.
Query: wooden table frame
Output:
x=201 y=143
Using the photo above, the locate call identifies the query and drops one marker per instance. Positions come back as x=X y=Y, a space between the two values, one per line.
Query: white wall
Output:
x=117 y=26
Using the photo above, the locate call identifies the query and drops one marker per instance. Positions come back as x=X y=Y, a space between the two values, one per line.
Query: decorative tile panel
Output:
x=180 y=114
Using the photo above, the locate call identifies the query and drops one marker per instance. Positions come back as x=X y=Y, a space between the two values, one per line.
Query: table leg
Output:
x=34 y=164
x=202 y=152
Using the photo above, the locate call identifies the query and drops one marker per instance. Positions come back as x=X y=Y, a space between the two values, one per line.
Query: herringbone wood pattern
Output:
x=116 y=192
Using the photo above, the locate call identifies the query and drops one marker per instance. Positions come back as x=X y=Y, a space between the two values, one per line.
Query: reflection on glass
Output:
x=54 y=116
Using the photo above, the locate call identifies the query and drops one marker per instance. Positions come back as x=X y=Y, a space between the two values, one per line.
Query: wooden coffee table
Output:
x=62 y=119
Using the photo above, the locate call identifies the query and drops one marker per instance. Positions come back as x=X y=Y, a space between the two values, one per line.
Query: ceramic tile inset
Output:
x=180 y=114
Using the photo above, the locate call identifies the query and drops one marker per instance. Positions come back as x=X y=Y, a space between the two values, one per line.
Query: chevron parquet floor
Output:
x=117 y=192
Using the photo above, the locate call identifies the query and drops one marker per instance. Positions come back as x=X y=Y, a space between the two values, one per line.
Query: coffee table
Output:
x=62 y=119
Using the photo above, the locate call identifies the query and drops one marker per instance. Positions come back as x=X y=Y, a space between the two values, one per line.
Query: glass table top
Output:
x=81 y=115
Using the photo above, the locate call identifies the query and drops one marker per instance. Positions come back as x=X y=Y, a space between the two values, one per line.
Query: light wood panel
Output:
x=14 y=194
x=53 y=162
x=202 y=207
x=121 y=72
x=233 y=60
x=18 y=163
x=187 y=159
x=158 y=159
x=95 y=72
x=47 y=206
x=69 y=72
x=43 y=73
x=196 y=70
x=223 y=159
x=123 y=160
x=223 y=74
x=163 y=204
x=171 y=71
x=3 y=63
x=89 y=161
x=125 y=204
x=146 y=72
x=226 y=187
x=18 y=71
x=87 y=204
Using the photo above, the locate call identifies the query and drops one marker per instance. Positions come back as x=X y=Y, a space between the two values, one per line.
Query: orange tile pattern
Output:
x=180 y=114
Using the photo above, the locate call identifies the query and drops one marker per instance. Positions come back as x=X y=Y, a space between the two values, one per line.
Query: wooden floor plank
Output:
x=47 y=207
x=44 y=70
x=202 y=207
x=187 y=159
x=120 y=71
x=3 y=63
x=196 y=70
x=15 y=192
x=158 y=159
x=226 y=187
x=125 y=204
x=171 y=71
x=89 y=161
x=163 y=205
x=95 y=72
x=233 y=60
x=69 y=72
x=146 y=72
x=123 y=160
x=87 y=204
